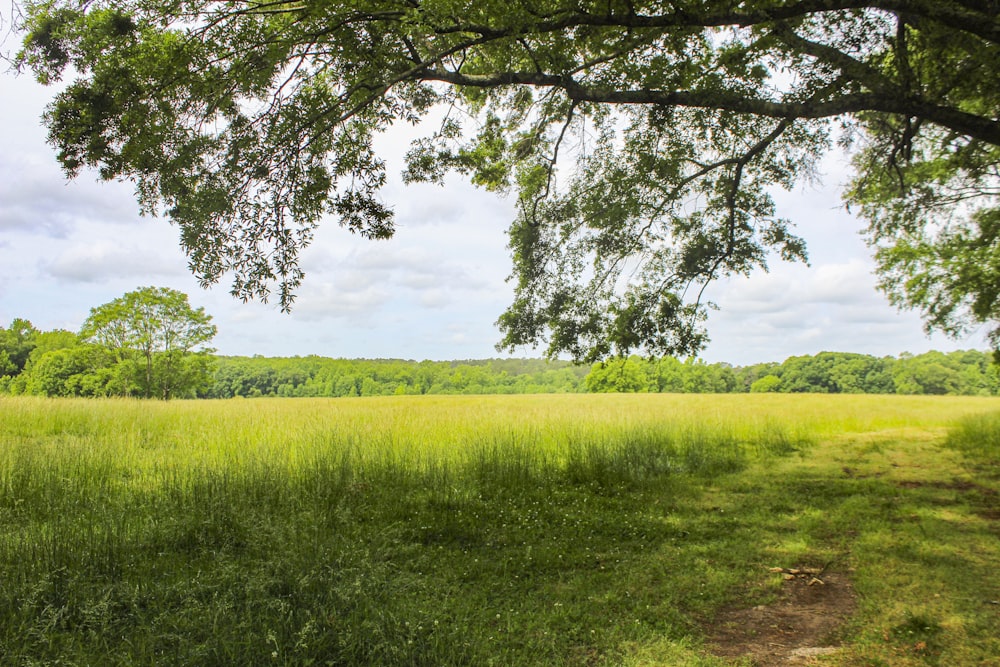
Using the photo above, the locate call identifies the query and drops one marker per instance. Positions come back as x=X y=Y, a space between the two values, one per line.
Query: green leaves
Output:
x=617 y=260
x=954 y=276
x=154 y=332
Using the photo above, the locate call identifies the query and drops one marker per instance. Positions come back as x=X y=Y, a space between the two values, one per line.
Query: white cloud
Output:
x=846 y=283
x=104 y=260
x=35 y=198
x=797 y=310
x=35 y=195
x=435 y=298
x=356 y=300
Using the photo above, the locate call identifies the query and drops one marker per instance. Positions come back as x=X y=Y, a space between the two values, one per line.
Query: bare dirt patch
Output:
x=794 y=630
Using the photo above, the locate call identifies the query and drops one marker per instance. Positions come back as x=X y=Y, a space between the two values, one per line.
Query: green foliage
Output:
x=320 y=376
x=47 y=341
x=968 y=372
x=7 y=366
x=618 y=375
x=16 y=343
x=766 y=384
x=836 y=372
x=83 y=370
x=60 y=365
x=156 y=338
x=149 y=342
x=642 y=141
x=931 y=196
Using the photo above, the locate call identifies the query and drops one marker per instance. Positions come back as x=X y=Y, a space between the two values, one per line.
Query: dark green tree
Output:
x=7 y=367
x=748 y=375
x=16 y=343
x=156 y=333
x=929 y=373
x=836 y=372
x=639 y=137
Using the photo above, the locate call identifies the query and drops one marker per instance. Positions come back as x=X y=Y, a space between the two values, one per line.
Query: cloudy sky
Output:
x=432 y=292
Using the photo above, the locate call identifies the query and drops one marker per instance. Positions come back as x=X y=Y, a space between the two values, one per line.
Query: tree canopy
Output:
x=640 y=138
x=153 y=334
x=16 y=343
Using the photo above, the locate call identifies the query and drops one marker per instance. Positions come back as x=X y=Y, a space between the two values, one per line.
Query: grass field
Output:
x=521 y=530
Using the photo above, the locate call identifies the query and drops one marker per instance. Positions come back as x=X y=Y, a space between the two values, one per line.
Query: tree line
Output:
x=321 y=376
x=969 y=372
x=157 y=365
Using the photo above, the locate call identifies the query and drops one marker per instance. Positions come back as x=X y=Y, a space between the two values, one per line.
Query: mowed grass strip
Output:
x=523 y=530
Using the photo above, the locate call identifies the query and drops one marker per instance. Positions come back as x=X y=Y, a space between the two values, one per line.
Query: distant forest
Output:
x=969 y=373
x=63 y=363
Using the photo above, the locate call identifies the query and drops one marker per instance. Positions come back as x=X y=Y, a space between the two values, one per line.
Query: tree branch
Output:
x=981 y=24
x=976 y=127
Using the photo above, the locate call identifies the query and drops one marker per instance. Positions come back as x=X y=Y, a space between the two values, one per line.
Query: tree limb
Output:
x=977 y=127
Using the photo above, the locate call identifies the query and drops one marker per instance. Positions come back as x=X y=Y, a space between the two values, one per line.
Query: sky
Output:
x=434 y=291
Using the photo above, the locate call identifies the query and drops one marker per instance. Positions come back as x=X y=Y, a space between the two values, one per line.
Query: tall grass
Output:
x=978 y=436
x=410 y=531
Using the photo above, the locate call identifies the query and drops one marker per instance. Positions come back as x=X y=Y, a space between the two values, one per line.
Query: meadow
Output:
x=484 y=530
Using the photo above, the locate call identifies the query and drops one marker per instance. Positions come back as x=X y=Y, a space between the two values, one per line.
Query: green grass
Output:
x=524 y=530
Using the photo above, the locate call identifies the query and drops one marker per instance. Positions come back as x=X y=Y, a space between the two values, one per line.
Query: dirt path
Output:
x=793 y=630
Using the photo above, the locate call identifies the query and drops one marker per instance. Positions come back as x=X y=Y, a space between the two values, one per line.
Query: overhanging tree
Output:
x=247 y=122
